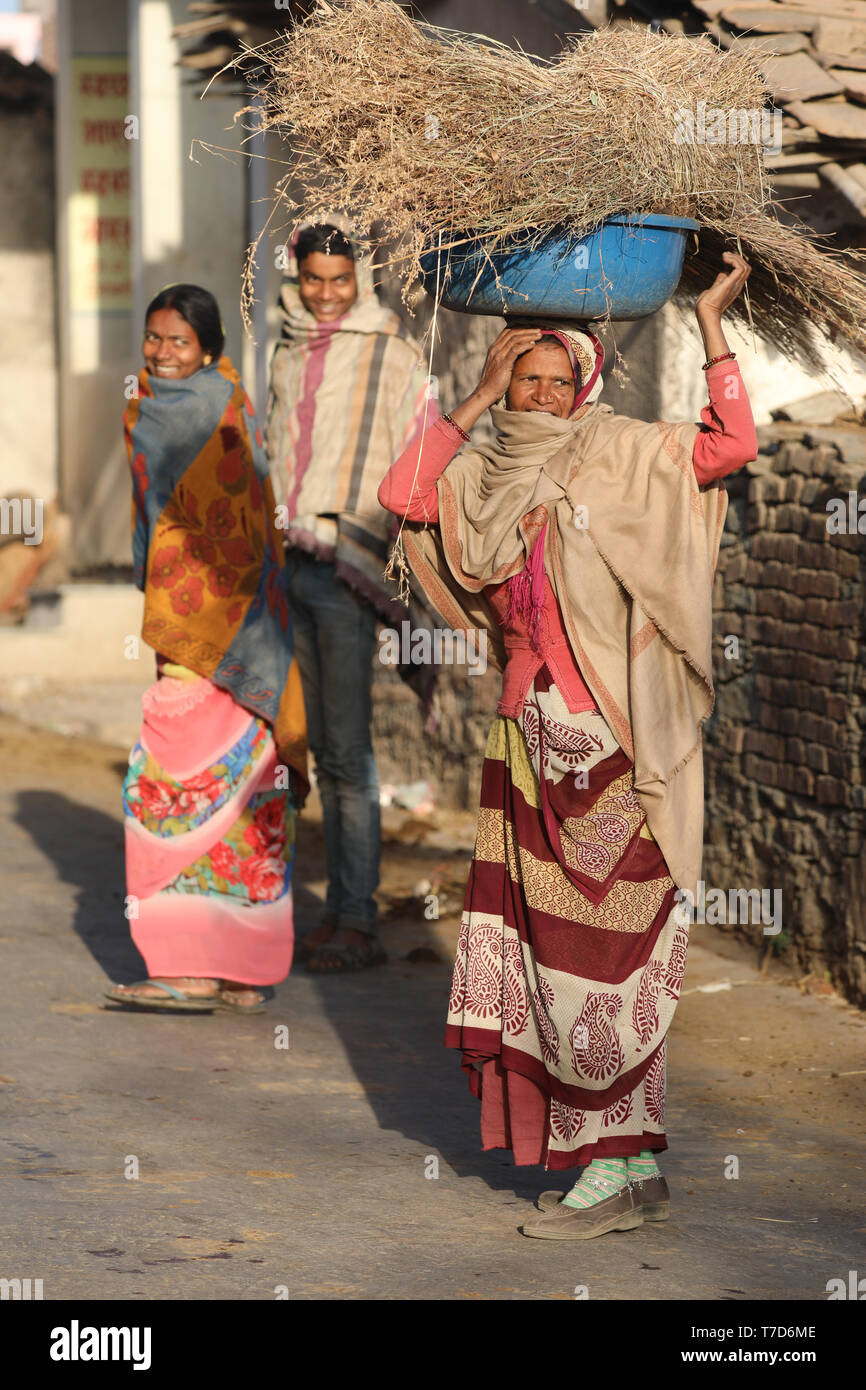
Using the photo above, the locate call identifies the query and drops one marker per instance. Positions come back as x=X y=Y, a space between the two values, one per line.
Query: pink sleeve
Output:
x=409 y=487
x=727 y=439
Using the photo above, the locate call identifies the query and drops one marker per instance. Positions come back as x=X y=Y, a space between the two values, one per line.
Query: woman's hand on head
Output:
x=496 y=377
x=727 y=285
x=501 y=357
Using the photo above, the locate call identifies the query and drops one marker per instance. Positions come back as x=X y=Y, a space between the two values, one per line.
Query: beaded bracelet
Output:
x=722 y=357
x=455 y=425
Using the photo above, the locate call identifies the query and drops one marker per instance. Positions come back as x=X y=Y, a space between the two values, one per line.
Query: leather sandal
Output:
x=305 y=950
x=347 y=960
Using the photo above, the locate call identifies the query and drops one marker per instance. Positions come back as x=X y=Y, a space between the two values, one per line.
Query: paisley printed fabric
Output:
x=571 y=955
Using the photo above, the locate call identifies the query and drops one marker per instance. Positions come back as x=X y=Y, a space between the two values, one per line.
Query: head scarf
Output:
x=346 y=399
x=205 y=545
x=585 y=353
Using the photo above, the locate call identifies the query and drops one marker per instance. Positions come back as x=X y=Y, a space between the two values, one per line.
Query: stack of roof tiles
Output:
x=813 y=57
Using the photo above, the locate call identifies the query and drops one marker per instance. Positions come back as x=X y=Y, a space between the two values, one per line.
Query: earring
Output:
x=207 y=359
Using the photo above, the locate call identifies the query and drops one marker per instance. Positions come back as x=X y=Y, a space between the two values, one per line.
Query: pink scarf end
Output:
x=526 y=592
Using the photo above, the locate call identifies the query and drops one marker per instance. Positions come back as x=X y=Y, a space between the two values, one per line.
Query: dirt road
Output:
x=165 y=1157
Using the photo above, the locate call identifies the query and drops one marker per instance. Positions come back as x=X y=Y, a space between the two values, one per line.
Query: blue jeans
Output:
x=335 y=637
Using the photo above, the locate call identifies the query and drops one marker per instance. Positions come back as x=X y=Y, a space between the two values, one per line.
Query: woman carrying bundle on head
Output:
x=584 y=543
x=220 y=765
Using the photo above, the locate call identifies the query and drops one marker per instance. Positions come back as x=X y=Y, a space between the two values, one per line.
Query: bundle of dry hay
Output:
x=428 y=133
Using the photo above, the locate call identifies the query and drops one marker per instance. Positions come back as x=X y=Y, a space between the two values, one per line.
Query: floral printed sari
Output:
x=210 y=795
x=209 y=837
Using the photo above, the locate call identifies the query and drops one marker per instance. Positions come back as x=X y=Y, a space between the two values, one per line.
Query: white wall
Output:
x=194 y=206
x=28 y=381
x=771 y=379
x=189 y=223
x=95 y=347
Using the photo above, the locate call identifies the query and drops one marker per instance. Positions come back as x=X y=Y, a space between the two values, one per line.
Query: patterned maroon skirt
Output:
x=571 y=951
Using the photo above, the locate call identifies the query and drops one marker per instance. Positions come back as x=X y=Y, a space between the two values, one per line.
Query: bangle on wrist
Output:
x=722 y=357
x=454 y=425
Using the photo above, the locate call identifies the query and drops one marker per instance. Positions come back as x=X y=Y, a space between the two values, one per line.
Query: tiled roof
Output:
x=812 y=54
x=216 y=33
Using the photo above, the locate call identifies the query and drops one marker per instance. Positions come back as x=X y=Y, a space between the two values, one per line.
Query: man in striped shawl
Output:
x=348 y=394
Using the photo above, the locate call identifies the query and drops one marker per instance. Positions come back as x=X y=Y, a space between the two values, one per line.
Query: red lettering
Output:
x=103 y=132
x=103 y=181
x=103 y=84
x=106 y=229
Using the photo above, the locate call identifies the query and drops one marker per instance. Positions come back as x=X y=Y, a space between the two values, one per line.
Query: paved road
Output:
x=305 y=1168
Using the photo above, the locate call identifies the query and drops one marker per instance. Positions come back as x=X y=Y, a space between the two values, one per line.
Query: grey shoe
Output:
x=651 y=1193
x=617 y=1213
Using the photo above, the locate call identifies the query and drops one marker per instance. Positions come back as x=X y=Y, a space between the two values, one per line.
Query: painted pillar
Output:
x=94 y=275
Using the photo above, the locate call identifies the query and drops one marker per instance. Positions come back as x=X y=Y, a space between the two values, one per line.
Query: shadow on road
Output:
x=391 y=1022
x=86 y=848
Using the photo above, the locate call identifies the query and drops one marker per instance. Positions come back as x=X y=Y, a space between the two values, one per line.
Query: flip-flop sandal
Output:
x=177 y=1000
x=226 y=1005
x=350 y=959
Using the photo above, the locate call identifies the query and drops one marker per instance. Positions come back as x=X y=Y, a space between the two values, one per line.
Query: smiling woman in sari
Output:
x=220 y=765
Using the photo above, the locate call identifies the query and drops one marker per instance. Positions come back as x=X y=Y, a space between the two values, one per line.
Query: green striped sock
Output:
x=603 y=1178
x=643 y=1167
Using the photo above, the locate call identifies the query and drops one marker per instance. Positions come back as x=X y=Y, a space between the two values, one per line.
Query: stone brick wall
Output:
x=786 y=789
x=786 y=801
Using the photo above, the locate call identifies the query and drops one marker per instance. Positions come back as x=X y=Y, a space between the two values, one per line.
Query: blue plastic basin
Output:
x=629 y=267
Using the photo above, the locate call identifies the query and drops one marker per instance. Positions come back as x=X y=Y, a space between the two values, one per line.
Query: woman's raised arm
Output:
x=727 y=439
x=409 y=486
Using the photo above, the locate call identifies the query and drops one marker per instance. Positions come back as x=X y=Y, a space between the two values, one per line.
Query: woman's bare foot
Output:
x=241 y=995
x=194 y=987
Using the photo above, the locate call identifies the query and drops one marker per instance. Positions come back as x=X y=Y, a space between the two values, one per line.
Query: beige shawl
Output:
x=346 y=399
x=631 y=553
